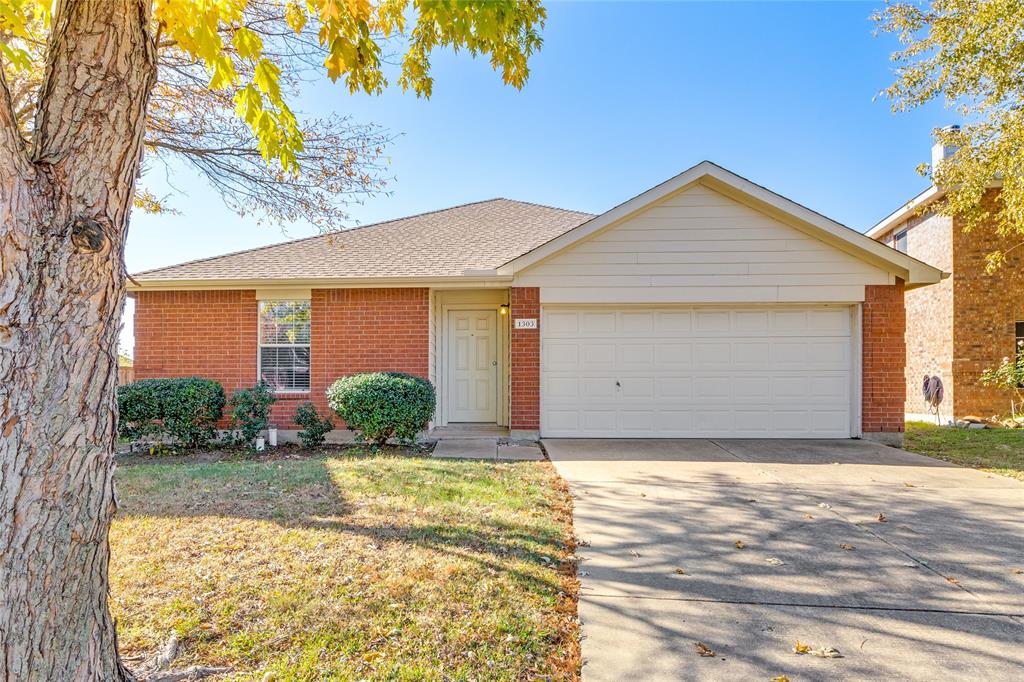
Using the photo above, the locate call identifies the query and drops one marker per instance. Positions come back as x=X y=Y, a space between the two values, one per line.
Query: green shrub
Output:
x=382 y=405
x=184 y=410
x=250 y=410
x=1009 y=376
x=314 y=428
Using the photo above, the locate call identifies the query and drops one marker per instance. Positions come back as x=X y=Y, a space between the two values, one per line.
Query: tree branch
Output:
x=13 y=155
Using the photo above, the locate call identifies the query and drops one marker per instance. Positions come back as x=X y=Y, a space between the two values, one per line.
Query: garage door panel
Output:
x=597 y=323
x=675 y=387
x=600 y=420
x=678 y=372
x=745 y=388
x=752 y=321
x=670 y=355
x=709 y=354
x=598 y=355
x=563 y=355
x=673 y=322
x=636 y=356
x=634 y=388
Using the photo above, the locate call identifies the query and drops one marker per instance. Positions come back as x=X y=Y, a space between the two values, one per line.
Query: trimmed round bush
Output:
x=383 y=405
x=185 y=410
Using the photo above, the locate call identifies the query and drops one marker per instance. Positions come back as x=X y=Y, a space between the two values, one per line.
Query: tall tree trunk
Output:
x=63 y=219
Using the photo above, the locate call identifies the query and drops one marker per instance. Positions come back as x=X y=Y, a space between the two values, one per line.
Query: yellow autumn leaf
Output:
x=295 y=15
x=801 y=648
x=740 y=544
x=247 y=42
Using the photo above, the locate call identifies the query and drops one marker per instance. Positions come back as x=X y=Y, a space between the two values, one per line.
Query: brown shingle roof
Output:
x=477 y=236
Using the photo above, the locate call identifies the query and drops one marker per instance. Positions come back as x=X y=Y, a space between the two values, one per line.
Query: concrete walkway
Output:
x=929 y=590
x=486 y=448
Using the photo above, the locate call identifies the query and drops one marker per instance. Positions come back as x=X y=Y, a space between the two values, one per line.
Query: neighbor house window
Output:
x=899 y=242
x=284 y=345
x=1020 y=336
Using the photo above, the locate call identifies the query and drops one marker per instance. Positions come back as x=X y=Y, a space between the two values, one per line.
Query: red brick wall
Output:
x=367 y=330
x=884 y=355
x=212 y=334
x=525 y=360
x=929 y=310
x=987 y=308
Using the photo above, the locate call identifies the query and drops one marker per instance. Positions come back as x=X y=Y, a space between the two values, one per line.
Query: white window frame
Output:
x=902 y=234
x=260 y=345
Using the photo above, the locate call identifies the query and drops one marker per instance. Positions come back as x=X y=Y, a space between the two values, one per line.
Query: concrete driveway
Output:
x=930 y=593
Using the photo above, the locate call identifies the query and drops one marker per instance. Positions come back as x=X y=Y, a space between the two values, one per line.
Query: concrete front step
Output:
x=485 y=448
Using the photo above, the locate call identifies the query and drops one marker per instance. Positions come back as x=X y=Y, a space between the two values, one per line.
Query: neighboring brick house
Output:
x=705 y=307
x=968 y=322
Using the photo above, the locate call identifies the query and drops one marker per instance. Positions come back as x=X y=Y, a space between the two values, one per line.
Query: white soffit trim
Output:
x=926 y=197
x=291 y=294
x=911 y=270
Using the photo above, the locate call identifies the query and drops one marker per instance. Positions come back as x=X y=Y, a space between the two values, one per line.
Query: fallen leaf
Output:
x=679 y=571
x=779 y=678
x=801 y=648
x=824 y=506
x=740 y=544
x=704 y=650
x=808 y=516
x=775 y=561
x=882 y=518
x=643 y=494
x=908 y=484
x=845 y=545
x=952 y=580
x=1019 y=571
x=826 y=652
x=635 y=553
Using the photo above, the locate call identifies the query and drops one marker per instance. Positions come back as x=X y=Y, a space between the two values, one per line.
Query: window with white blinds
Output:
x=284 y=345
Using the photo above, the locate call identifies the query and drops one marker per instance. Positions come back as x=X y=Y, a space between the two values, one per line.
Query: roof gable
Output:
x=741 y=190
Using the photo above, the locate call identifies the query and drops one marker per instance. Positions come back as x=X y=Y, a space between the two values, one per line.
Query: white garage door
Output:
x=696 y=372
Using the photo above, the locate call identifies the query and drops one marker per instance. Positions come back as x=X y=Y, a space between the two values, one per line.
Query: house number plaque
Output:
x=526 y=323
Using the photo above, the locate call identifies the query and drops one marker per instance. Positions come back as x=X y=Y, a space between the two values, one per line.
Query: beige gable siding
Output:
x=700 y=246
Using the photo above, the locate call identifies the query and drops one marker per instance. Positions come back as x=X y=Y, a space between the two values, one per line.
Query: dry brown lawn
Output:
x=348 y=567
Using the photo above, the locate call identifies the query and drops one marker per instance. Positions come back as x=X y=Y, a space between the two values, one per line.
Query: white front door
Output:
x=472 y=385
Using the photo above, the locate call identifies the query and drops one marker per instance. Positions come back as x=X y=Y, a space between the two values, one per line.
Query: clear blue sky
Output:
x=622 y=97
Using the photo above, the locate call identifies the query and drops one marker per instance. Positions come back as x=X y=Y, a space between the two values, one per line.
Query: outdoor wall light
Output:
x=504 y=308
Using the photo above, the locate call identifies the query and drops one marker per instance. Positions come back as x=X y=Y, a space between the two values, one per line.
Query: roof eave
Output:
x=925 y=198
x=473 y=279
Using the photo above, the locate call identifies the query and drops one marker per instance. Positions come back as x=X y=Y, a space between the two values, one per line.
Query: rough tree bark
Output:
x=63 y=219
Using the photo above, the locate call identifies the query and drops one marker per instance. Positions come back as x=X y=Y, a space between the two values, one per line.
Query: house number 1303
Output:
x=526 y=323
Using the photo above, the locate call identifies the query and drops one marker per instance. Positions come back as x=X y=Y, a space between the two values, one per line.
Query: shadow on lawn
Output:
x=305 y=494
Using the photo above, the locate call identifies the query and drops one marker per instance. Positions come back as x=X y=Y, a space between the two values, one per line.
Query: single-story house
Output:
x=708 y=306
x=971 y=320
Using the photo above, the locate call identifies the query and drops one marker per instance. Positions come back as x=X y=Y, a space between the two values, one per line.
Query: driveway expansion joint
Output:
x=801 y=605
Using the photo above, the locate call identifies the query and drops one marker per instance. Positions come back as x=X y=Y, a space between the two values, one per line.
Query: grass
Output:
x=348 y=567
x=998 y=451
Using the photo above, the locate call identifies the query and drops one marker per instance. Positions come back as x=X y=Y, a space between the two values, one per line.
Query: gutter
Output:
x=471 y=279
